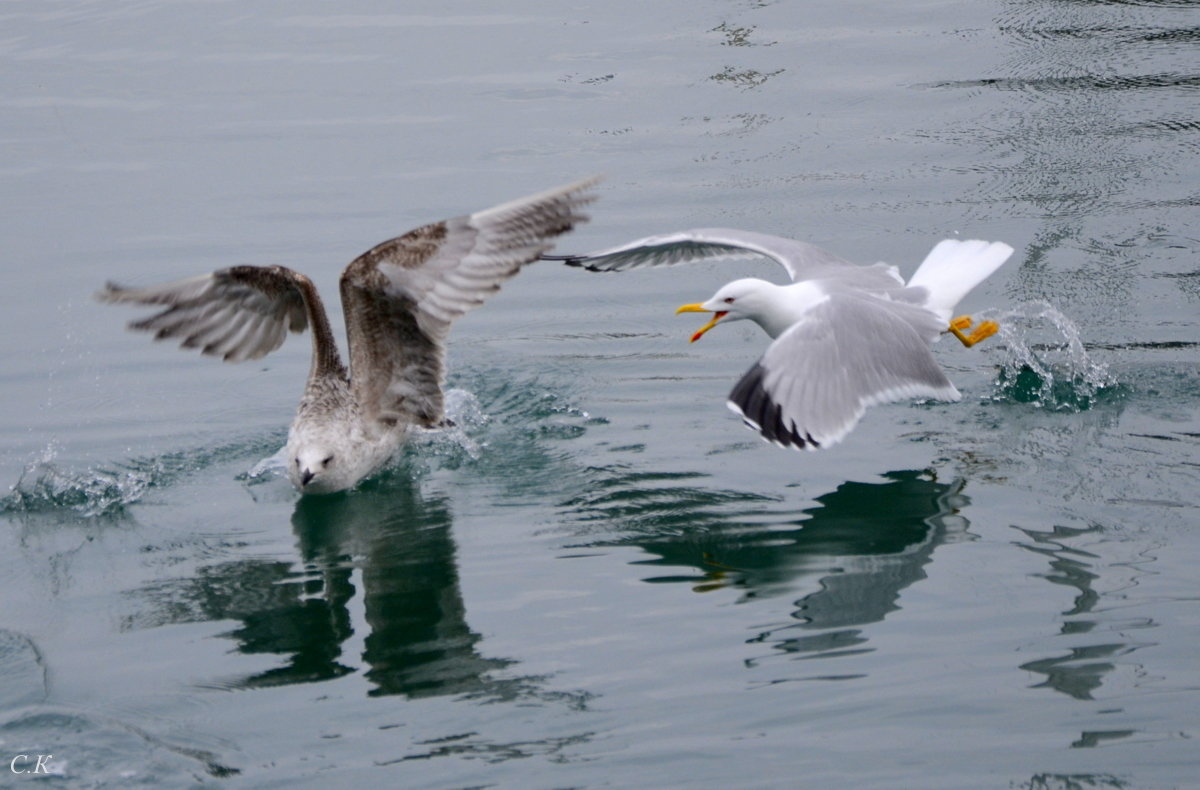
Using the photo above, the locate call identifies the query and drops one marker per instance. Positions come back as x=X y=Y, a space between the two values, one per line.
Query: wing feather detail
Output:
x=401 y=297
x=801 y=260
x=238 y=313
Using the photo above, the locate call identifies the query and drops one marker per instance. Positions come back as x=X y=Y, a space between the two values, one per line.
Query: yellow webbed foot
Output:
x=985 y=330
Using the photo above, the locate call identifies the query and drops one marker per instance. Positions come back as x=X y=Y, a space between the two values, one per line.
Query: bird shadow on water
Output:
x=374 y=592
x=854 y=551
x=400 y=550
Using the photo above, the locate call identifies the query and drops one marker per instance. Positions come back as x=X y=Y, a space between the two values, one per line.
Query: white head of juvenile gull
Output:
x=399 y=300
x=845 y=337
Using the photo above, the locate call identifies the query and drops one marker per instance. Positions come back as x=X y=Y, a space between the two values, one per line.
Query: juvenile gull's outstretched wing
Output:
x=802 y=261
x=401 y=297
x=815 y=381
x=239 y=313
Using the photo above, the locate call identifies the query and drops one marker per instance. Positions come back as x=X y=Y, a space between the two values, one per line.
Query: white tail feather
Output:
x=953 y=268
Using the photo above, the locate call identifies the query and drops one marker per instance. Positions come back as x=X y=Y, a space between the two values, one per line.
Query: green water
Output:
x=599 y=578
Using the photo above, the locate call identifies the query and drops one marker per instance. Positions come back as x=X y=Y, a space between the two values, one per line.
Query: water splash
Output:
x=107 y=490
x=500 y=414
x=44 y=487
x=270 y=467
x=1046 y=363
x=509 y=414
x=451 y=446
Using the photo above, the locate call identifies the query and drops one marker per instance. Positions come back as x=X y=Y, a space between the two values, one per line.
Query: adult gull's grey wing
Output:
x=815 y=381
x=802 y=261
x=238 y=313
x=401 y=297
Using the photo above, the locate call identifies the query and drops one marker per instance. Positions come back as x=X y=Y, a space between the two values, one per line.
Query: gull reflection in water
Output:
x=854 y=551
x=379 y=562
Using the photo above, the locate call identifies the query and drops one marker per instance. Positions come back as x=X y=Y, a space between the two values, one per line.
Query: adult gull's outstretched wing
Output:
x=814 y=382
x=802 y=261
x=401 y=297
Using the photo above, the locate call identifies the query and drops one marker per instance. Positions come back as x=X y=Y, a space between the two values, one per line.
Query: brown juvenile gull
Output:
x=399 y=300
x=845 y=337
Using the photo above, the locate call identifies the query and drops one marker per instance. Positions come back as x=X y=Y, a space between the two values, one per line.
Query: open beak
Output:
x=697 y=308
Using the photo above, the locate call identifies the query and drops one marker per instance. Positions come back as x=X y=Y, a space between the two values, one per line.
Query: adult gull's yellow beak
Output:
x=697 y=308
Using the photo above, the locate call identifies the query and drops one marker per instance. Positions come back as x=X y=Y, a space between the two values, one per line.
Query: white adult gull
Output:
x=399 y=300
x=845 y=336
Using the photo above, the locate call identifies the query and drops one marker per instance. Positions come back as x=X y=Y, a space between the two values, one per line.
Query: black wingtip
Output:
x=761 y=413
x=570 y=260
x=579 y=262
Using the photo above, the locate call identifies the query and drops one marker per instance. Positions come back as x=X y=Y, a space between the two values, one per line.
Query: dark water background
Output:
x=601 y=579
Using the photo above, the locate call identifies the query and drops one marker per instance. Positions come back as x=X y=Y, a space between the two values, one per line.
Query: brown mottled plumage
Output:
x=399 y=299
